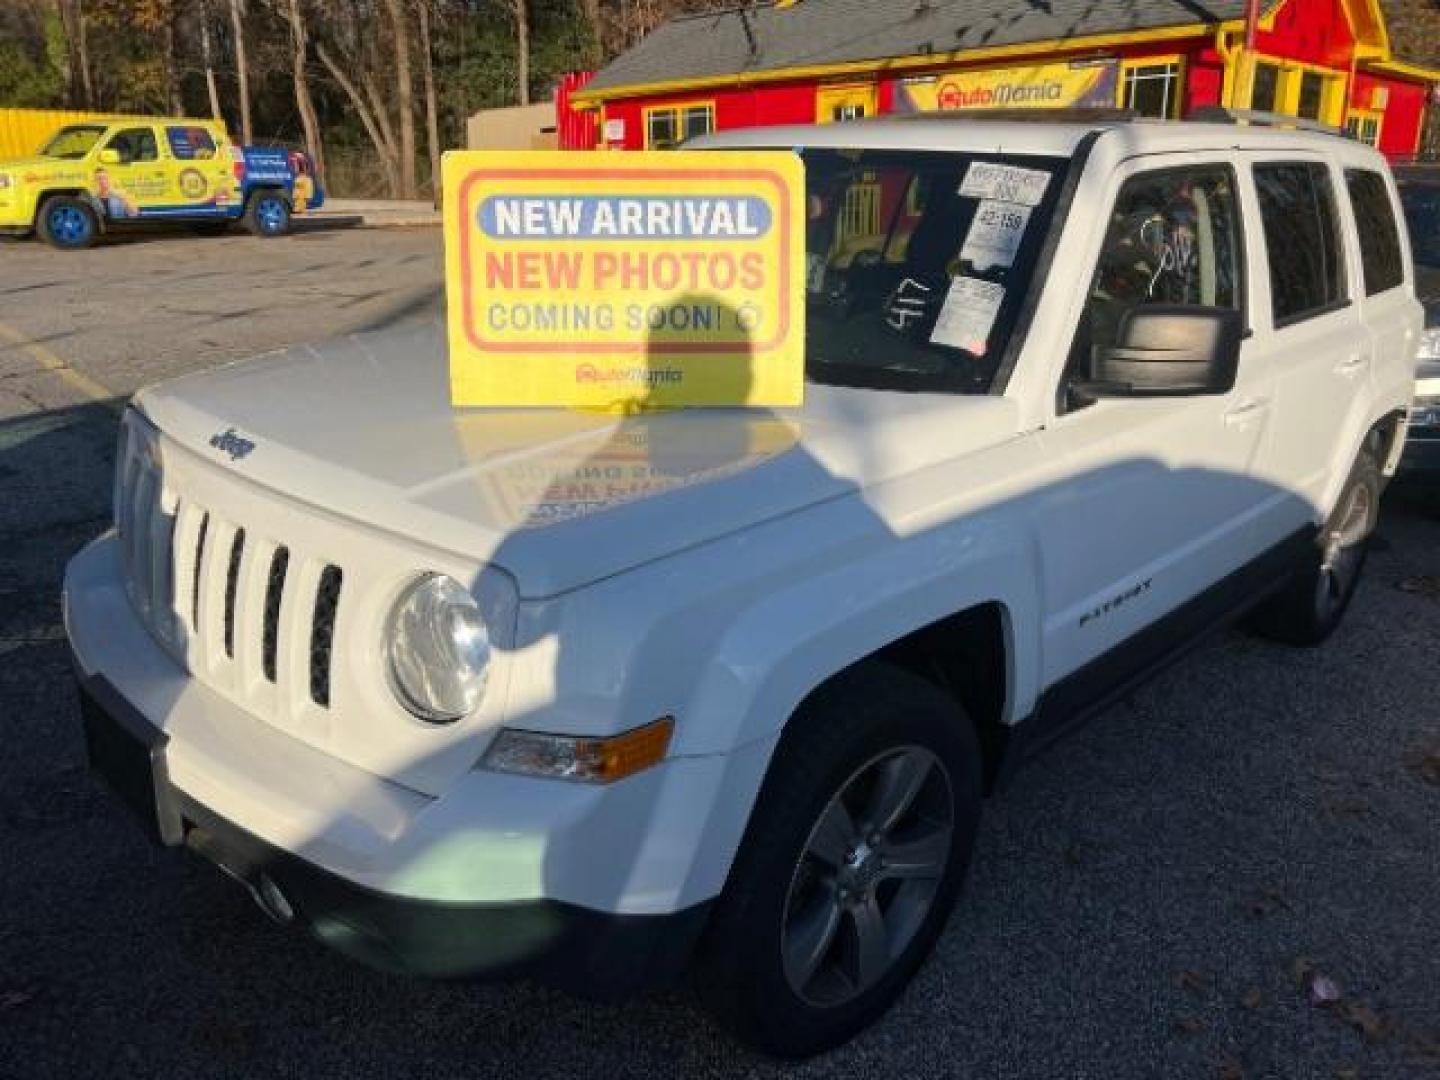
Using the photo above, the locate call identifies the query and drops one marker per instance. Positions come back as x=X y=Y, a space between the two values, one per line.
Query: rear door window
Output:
x=1380 y=251
x=134 y=145
x=1303 y=241
x=190 y=143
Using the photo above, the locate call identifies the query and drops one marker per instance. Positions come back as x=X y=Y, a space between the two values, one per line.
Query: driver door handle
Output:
x=1351 y=364
x=1247 y=410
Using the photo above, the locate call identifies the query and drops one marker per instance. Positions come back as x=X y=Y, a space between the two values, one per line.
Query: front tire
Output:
x=1312 y=606
x=268 y=214
x=851 y=864
x=67 y=223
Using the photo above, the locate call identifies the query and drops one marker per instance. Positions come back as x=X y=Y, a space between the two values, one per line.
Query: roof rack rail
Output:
x=1215 y=114
x=1100 y=115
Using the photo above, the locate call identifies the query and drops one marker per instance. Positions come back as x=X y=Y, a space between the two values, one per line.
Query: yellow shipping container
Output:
x=24 y=131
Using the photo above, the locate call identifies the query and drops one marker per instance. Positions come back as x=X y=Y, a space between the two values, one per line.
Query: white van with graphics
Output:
x=602 y=699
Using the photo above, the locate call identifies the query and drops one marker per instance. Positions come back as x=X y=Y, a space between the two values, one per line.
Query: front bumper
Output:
x=581 y=885
x=589 y=952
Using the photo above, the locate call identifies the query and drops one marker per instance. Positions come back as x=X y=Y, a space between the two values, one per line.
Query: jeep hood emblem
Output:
x=232 y=443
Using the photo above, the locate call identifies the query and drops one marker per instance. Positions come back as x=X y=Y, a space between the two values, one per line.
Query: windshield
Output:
x=72 y=142
x=918 y=263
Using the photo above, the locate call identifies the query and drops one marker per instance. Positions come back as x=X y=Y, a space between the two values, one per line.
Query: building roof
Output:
x=764 y=37
x=1414 y=28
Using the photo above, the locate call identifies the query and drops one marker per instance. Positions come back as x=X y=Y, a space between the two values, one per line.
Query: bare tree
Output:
x=207 y=59
x=242 y=69
x=522 y=49
x=432 y=105
x=405 y=96
x=299 y=48
x=81 y=90
x=596 y=20
x=375 y=123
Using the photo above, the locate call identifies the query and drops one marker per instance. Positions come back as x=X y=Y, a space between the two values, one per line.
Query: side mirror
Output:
x=109 y=157
x=1166 y=350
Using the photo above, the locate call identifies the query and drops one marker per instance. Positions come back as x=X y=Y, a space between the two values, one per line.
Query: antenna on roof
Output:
x=1215 y=114
x=749 y=30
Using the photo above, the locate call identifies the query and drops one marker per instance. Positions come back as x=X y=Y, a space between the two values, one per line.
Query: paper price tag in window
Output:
x=1004 y=183
x=995 y=234
x=969 y=315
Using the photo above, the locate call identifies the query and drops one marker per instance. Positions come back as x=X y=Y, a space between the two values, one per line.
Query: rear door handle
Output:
x=1352 y=364
x=1246 y=411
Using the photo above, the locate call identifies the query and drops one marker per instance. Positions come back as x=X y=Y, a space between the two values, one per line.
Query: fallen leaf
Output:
x=1423 y=585
x=1324 y=990
x=1348 y=807
x=1426 y=765
x=1191 y=980
x=1427 y=1046
x=1230 y=1069
x=12 y=998
x=1365 y=1020
x=1347 y=1074
x=1268 y=902
x=1303 y=969
x=1253 y=999
x=1189 y=1025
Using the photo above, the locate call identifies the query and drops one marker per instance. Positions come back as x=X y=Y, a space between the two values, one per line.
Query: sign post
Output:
x=648 y=281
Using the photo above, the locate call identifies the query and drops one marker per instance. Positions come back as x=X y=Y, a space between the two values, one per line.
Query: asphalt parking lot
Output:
x=1161 y=895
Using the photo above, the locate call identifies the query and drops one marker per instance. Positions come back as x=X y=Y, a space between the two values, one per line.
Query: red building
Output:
x=800 y=61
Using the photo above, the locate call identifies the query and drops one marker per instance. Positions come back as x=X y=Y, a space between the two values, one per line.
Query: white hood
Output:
x=363 y=427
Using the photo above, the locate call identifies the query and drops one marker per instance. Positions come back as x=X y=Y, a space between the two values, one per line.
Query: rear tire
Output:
x=851 y=864
x=67 y=222
x=268 y=214
x=1312 y=606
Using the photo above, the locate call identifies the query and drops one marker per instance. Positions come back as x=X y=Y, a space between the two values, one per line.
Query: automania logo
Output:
x=231 y=443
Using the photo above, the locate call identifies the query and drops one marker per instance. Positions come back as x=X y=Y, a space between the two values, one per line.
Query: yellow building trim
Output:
x=1405 y=69
x=902 y=64
x=1367 y=25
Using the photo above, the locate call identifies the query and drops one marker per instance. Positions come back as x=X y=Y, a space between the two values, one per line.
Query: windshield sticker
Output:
x=1005 y=183
x=968 y=315
x=995 y=235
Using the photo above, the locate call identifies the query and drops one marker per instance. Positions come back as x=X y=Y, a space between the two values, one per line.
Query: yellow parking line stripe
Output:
x=76 y=380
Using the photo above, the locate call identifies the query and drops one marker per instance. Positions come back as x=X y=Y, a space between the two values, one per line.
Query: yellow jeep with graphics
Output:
x=103 y=175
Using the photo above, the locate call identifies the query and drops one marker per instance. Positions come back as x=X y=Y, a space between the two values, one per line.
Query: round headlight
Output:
x=439 y=650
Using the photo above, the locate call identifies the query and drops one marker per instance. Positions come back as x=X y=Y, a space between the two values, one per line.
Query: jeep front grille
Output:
x=216 y=592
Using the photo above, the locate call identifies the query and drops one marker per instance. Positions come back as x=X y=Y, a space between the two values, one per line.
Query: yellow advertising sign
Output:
x=1038 y=86
x=625 y=282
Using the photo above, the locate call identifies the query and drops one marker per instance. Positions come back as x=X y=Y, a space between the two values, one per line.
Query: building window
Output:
x=1295 y=90
x=1312 y=94
x=1363 y=125
x=1265 y=94
x=668 y=127
x=1152 y=89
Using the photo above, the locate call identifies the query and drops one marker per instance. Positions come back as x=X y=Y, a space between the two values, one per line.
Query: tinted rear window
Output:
x=1380 y=252
x=1302 y=240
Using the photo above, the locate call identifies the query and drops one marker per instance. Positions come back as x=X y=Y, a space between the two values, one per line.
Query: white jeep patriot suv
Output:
x=601 y=699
